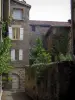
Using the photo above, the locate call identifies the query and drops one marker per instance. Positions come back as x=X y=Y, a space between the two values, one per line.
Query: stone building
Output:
x=44 y=30
x=56 y=30
x=19 y=35
x=23 y=33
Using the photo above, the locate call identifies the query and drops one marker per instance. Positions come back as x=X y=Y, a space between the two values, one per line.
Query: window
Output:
x=20 y=54
x=17 y=14
x=12 y=54
x=16 y=33
x=33 y=28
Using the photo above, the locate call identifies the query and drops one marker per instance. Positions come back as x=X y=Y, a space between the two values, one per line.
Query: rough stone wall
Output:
x=19 y=66
x=21 y=74
x=39 y=32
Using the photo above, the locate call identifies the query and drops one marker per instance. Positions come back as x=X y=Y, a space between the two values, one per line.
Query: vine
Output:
x=5 y=46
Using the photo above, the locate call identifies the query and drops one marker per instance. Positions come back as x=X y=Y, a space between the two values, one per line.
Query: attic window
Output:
x=17 y=14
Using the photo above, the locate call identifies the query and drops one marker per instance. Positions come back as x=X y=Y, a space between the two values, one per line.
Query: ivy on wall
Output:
x=5 y=46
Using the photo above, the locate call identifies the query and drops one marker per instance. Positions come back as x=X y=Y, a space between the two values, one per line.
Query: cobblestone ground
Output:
x=8 y=95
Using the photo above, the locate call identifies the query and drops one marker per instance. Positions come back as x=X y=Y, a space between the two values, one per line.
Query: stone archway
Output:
x=15 y=81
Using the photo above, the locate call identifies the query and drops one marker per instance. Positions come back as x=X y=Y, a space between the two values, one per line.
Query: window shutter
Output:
x=20 y=54
x=10 y=32
x=13 y=55
x=21 y=33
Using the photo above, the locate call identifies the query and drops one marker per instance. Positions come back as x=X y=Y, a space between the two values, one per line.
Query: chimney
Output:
x=69 y=21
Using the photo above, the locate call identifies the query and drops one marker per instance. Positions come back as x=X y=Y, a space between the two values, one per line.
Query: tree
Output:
x=38 y=54
x=60 y=45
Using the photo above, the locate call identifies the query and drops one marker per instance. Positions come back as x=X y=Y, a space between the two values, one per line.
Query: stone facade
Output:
x=55 y=31
x=18 y=76
x=32 y=30
x=18 y=73
x=41 y=28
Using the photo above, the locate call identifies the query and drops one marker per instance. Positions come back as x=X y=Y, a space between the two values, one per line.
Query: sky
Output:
x=50 y=10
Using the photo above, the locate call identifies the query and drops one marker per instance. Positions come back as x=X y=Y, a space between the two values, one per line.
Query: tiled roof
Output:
x=23 y=3
x=51 y=23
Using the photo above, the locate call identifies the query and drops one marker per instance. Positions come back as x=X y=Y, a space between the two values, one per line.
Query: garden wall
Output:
x=54 y=82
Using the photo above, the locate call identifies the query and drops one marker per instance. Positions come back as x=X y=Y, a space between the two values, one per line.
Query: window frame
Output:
x=21 y=9
x=15 y=33
x=33 y=27
x=14 y=55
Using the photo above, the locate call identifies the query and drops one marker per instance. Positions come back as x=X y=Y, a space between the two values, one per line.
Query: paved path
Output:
x=8 y=95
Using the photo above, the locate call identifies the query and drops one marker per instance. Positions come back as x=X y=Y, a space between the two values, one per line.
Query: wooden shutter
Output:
x=10 y=32
x=13 y=55
x=20 y=54
x=21 y=33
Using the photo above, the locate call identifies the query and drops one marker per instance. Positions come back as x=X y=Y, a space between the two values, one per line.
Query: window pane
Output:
x=13 y=55
x=17 y=14
x=33 y=28
x=14 y=33
x=17 y=33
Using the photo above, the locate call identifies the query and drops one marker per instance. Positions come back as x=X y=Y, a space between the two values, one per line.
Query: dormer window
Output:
x=17 y=14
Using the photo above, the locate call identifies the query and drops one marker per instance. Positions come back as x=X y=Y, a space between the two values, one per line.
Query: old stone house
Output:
x=57 y=29
x=44 y=30
x=61 y=29
x=23 y=33
x=19 y=35
x=37 y=29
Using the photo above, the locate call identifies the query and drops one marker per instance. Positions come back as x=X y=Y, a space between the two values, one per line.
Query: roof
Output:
x=51 y=23
x=22 y=3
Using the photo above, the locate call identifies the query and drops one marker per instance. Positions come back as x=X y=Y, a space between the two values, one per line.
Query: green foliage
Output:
x=5 y=46
x=5 y=55
x=66 y=57
x=60 y=44
x=38 y=54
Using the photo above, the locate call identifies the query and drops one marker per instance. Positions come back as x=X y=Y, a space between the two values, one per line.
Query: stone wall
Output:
x=55 y=83
x=20 y=79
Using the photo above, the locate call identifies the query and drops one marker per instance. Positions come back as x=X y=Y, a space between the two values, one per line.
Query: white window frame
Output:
x=11 y=32
x=16 y=17
x=12 y=54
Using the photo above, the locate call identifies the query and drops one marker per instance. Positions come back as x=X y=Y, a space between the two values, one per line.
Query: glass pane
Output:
x=14 y=33
x=17 y=14
x=17 y=33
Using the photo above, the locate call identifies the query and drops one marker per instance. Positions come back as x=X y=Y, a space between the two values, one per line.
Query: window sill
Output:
x=18 y=19
x=16 y=40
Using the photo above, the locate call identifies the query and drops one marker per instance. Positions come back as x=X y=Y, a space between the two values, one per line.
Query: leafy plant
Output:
x=5 y=46
x=66 y=57
x=60 y=44
x=5 y=55
x=38 y=54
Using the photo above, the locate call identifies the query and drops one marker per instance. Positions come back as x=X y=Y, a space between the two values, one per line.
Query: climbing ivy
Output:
x=5 y=46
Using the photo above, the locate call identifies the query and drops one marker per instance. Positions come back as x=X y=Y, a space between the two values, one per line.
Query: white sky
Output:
x=51 y=10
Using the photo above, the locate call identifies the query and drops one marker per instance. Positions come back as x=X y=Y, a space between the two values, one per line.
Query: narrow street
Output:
x=8 y=95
